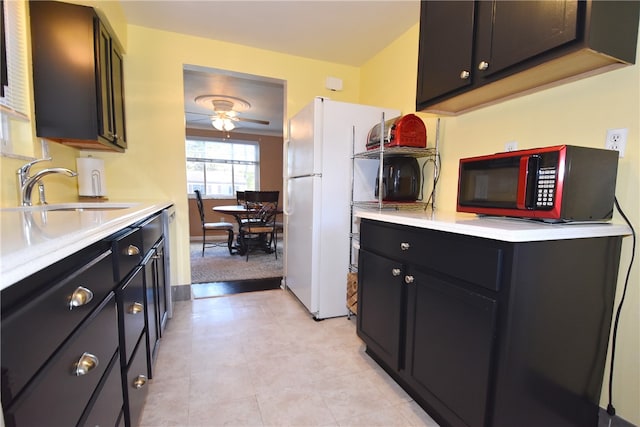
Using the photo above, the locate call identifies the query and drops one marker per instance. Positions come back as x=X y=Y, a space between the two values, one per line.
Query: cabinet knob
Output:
x=408 y=279
x=80 y=297
x=464 y=74
x=132 y=250
x=483 y=65
x=85 y=364
x=136 y=308
x=405 y=246
x=139 y=382
x=395 y=272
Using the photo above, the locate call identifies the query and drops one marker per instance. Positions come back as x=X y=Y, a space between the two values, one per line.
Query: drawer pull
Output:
x=395 y=272
x=132 y=250
x=80 y=297
x=139 y=382
x=405 y=246
x=408 y=279
x=136 y=308
x=86 y=364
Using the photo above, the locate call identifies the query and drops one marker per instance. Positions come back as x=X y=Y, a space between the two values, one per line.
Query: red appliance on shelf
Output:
x=404 y=131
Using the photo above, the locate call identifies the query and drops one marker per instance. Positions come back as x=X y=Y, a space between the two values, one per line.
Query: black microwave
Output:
x=554 y=184
x=400 y=179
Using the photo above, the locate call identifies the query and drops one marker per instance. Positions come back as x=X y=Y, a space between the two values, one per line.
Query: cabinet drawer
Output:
x=107 y=400
x=151 y=232
x=61 y=393
x=127 y=249
x=137 y=383
x=467 y=258
x=131 y=312
x=48 y=319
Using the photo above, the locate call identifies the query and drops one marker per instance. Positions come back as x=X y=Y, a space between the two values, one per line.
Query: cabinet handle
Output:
x=85 y=364
x=136 y=308
x=483 y=65
x=79 y=297
x=405 y=246
x=158 y=256
x=408 y=279
x=139 y=382
x=395 y=272
x=464 y=74
x=132 y=250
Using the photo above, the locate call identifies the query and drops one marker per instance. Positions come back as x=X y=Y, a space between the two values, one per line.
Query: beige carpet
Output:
x=218 y=266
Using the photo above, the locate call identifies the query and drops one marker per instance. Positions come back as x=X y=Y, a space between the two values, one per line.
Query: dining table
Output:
x=239 y=212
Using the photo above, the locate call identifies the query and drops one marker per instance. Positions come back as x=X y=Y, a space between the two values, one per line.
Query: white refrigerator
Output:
x=317 y=200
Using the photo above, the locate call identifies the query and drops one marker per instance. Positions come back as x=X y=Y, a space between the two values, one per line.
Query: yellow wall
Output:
x=578 y=113
x=153 y=167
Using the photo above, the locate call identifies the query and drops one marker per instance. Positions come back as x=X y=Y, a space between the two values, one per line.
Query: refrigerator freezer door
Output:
x=302 y=240
x=303 y=155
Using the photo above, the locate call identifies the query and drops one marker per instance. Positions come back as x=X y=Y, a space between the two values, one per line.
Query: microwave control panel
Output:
x=546 y=187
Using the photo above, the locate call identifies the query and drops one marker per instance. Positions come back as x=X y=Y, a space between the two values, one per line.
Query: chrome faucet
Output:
x=23 y=172
x=27 y=182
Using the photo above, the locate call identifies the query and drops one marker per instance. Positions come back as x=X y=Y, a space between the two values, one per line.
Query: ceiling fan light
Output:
x=222 y=124
x=217 y=123
x=228 y=124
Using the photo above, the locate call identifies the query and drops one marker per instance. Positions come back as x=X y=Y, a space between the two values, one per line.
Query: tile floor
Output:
x=258 y=359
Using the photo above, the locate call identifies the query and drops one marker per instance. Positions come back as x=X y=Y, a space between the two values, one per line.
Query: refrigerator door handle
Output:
x=285 y=171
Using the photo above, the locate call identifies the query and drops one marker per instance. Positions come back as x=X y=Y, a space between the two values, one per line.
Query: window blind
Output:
x=16 y=92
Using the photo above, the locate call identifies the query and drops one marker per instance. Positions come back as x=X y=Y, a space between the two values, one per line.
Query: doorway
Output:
x=230 y=117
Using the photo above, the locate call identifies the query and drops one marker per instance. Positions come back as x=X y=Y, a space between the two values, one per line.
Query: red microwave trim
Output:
x=554 y=213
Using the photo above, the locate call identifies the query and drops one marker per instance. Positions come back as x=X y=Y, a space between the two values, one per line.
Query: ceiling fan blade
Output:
x=244 y=119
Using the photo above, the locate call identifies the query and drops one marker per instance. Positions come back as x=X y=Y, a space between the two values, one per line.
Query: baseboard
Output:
x=181 y=293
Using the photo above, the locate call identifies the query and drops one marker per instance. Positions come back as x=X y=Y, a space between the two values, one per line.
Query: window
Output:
x=15 y=129
x=220 y=168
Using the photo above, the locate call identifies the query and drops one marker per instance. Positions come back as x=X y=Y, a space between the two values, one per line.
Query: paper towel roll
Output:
x=91 y=177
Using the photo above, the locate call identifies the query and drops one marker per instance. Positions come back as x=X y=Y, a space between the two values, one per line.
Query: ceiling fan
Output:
x=225 y=111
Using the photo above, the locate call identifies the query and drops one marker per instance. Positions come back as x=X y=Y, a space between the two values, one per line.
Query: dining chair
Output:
x=213 y=226
x=240 y=198
x=258 y=228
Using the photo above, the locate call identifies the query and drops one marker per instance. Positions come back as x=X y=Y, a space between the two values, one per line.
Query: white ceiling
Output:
x=345 y=32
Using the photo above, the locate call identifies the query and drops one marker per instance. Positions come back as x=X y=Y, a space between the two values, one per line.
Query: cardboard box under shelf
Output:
x=352 y=292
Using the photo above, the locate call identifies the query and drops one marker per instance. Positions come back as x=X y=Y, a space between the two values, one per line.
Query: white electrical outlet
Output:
x=617 y=140
x=511 y=146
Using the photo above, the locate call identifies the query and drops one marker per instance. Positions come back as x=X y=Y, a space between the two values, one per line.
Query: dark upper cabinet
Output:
x=77 y=77
x=476 y=53
x=446 y=48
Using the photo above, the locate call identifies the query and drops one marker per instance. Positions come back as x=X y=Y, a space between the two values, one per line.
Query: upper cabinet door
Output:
x=509 y=32
x=445 y=52
x=117 y=83
x=477 y=53
x=104 y=91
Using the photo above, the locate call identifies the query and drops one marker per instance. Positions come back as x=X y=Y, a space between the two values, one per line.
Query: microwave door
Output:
x=490 y=183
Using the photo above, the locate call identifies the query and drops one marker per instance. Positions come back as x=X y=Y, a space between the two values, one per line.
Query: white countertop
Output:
x=34 y=238
x=497 y=228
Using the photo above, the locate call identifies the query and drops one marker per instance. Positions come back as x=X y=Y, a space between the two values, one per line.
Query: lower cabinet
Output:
x=489 y=333
x=80 y=336
x=450 y=341
x=135 y=381
x=106 y=407
x=380 y=307
x=62 y=389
